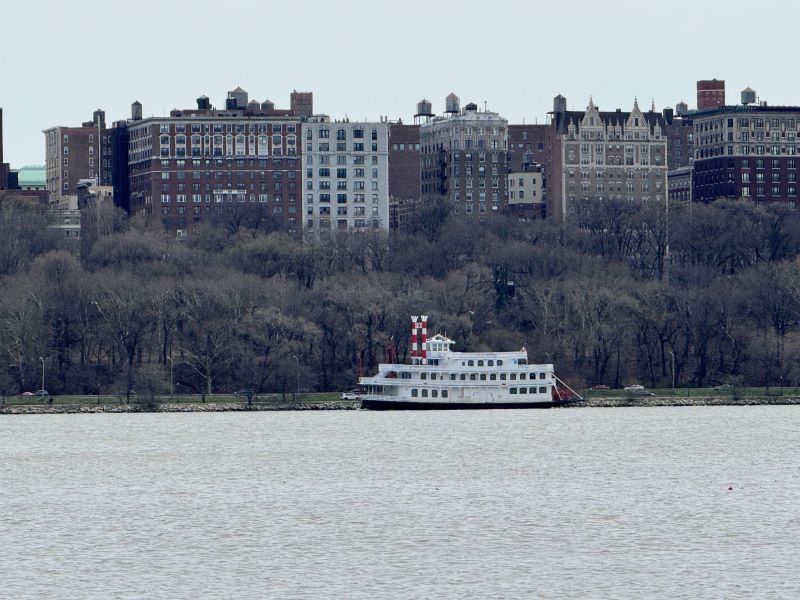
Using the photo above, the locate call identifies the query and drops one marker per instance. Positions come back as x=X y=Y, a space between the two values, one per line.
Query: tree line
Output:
x=699 y=295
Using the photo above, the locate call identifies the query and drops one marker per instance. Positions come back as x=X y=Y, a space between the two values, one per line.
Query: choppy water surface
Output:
x=581 y=503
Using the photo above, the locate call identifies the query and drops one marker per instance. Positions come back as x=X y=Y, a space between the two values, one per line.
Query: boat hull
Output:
x=373 y=404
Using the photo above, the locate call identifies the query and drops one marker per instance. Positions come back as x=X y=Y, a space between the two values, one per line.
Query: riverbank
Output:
x=326 y=404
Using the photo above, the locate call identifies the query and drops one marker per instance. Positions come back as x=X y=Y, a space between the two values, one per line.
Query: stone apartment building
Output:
x=464 y=155
x=345 y=175
x=73 y=154
x=601 y=155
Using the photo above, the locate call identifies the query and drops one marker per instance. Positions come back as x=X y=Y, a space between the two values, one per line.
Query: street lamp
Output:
x=169 y=358
x=297 y=369
x=672 y=354
x=42 y=359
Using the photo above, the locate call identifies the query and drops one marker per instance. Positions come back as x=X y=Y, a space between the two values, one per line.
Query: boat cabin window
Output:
x=434 y=393
x=405 y=375
x=424 y=393
x=452 y=376
x=523 y=390
x=542 y=375
x=499 y=362
x=490 y=363
x=512 y=376
x=523 y=375
x=463 y=376
x=522 y=361
x=470 y=363
x=502 y=376
x=493 y=376
x=433 y=361
x=463 y=363
x=472 y=376
x=444 y=393
x=433 y=376
x=414 y=392
x=423 y=376
x=542 y=390
x=512 y=390
x=483 y=376
x=480 y=363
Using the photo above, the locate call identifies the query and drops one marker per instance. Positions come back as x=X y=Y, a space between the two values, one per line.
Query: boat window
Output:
x=502 y=376
x=512 y=376
x=512 y=391
x=470 y=363
x=490 y=363
x=433 y=376
x=499 y=363
x=452 y=376
x=414 y=392
x=523 y=390
x=522 y=361
x=435 y=393
x=423 y=375
x=483 y=376
x=463 y=363
x=444 y=393
x=523 y=375
x=480 y=363
x=493 y=376
x=463 y=376
x=405 y=375
x=542 y=375
x=472 y=376
x=542 y=390
x=424 y=393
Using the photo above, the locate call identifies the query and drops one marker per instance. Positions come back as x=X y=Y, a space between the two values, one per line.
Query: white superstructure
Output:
x=441 y=378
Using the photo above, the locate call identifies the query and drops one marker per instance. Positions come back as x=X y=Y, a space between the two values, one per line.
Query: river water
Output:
x=575 y=503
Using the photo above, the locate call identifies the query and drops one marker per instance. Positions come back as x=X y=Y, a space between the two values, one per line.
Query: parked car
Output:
x=634 y=388
x=642 y=393
x=352 y=395
x=41 y=393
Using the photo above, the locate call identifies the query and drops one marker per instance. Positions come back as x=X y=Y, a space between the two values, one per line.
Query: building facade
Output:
x=747 y=151
x=405 y=178
x=4 y=168
x=606 y=155
x=202 y=164
x=464 y=160
x=76 y=153
x=710 y=93
x=345 y=175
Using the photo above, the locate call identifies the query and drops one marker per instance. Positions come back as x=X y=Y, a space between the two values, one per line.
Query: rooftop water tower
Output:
x=452 y=104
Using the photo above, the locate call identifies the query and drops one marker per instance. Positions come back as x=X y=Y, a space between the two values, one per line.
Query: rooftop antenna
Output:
x=484 y=106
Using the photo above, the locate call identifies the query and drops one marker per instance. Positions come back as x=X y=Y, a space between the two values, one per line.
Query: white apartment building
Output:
x=345 y=175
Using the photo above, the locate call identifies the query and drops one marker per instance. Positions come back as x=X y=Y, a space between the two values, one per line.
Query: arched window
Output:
x=414 y=392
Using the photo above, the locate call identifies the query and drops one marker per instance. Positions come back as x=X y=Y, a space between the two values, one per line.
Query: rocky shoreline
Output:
x=60 y=409
x=652 y=401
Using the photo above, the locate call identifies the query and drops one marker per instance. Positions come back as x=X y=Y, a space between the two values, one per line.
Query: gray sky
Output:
x=61 y=59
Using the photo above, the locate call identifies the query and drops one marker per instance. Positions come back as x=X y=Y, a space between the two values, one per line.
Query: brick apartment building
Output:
x=73 y=154
x=4 y=168
x=404 y=171
x=747 y=151
x=200 y=163
x=710 y=93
